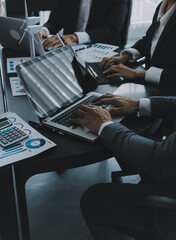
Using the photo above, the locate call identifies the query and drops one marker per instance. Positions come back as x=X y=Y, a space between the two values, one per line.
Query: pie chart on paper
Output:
x=35 y=143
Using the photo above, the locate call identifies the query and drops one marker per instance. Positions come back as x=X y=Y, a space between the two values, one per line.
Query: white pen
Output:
x=90 y=72
x=93 y=73
x=60 y=39
x=91 y=69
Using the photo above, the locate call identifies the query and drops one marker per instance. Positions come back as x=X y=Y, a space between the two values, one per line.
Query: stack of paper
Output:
x=95 y=52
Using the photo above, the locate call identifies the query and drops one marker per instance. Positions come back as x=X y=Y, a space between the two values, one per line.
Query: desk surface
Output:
x=80 y=152
x=78 y=149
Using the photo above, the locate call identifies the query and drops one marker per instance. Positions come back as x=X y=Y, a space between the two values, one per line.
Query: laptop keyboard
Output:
x=65 y=118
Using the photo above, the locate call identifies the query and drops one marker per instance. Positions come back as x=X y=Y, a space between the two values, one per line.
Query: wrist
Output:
x=140 y=74
x=136 y=105
x=125 y=56
x=74 y=38
x=102 y=126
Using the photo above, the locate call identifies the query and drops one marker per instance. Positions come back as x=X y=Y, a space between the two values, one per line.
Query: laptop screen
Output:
x=51 y=81
x=12 y=30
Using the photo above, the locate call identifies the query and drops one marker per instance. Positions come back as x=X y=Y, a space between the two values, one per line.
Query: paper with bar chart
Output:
x=97 y=52
x=13 y=62
x=16 y=87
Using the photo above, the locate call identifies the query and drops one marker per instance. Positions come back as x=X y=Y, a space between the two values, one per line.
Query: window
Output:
x=2 y=9
x=142 y=14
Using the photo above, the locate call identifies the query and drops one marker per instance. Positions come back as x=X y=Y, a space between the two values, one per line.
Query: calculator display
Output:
x=4 y=124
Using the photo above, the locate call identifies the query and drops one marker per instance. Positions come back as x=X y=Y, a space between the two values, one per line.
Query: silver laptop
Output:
x=55 y=86
x=11 y=33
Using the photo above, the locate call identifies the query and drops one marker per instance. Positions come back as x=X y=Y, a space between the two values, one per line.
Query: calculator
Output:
x=9 y=133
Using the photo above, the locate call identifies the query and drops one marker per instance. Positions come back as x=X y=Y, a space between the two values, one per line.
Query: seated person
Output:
x=114 y=209
x=86 y=21
x=158 y=47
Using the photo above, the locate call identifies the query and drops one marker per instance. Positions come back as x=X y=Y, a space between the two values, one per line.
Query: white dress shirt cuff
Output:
x=144 y=109
x=83 y=37
x=103 y=126
x=47 y=30
x=134 y=52
x=145 y=106
x=153 y=75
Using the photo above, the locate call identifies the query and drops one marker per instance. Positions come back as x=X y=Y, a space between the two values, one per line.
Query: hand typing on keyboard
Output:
x=66 y=117
x=118 y=106
x=91 y=117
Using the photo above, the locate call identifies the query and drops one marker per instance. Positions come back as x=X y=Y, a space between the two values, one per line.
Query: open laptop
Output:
x=54 y=84
x=11 y=33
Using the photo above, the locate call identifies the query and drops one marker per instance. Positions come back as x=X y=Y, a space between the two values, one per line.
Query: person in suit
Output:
x=158 y=47
x=113 y=209
x=86 y=21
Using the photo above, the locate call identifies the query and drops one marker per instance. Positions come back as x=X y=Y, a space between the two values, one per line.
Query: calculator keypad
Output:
x=11 y=135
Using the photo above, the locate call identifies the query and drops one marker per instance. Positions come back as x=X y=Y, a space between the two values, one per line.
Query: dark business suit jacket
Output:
x=154 y=158
x=104 y=24
x=164 y=56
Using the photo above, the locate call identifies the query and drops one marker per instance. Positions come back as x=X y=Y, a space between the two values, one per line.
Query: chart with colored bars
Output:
x=21 y=147
x=31 y=146
x=16 y=87
x=97 y=51
x=13 y=62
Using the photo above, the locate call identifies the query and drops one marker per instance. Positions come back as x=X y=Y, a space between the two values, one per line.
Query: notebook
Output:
x=99 y=77
x=11 y=33
x=55 y=86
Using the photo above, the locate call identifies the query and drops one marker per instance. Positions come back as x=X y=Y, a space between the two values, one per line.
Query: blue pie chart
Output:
x=35 y=143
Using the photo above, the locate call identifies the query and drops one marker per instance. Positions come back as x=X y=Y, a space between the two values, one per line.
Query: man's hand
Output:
x=43 y=34
x=91 y=117
x=106 y=62
x=54 y=42
x=122 y=106
x=120 y=70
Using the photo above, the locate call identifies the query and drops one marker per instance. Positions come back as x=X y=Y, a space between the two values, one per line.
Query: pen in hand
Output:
x=60 y=40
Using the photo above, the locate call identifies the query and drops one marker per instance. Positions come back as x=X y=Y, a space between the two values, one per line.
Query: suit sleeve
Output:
x=167 y=84
x=155 y=159
x=140 y=46
x=109 y=32
x=55 y=22
x=163 y=107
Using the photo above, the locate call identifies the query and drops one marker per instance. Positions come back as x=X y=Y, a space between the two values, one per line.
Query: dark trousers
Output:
x=113 y=211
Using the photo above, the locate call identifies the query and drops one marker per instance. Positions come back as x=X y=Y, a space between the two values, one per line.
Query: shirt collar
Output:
x=164 y=18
